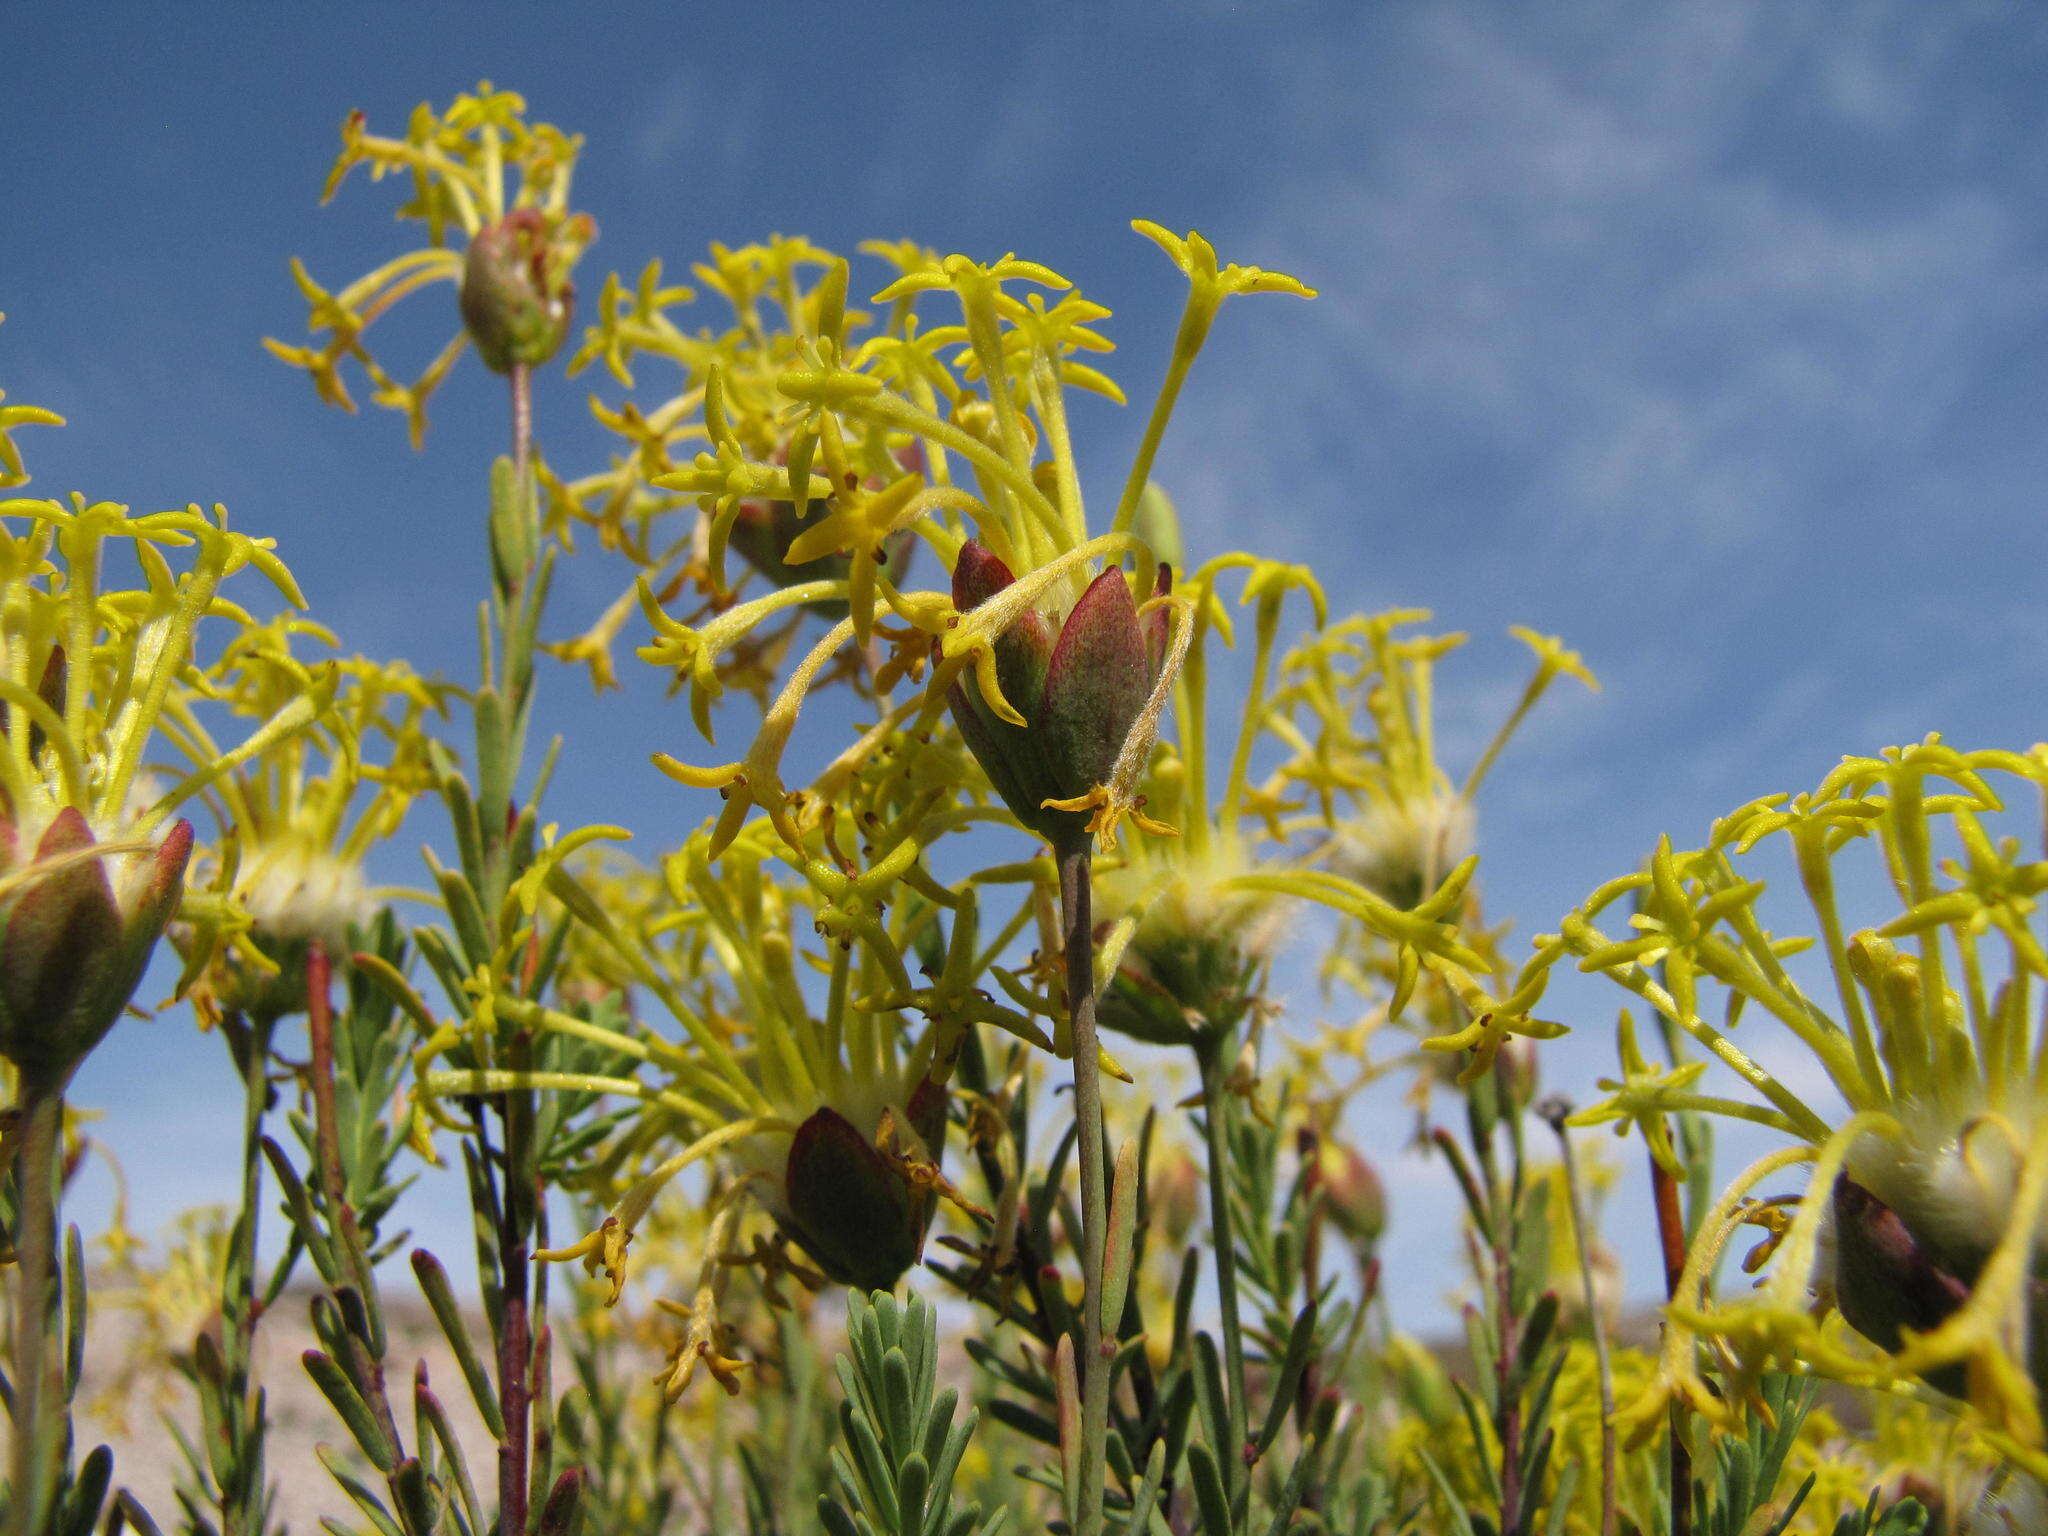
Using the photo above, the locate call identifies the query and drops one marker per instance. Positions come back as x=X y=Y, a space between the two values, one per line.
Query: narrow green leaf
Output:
x=877 y=1474
x=1121 y=1236
x=1210 y=1498
x=913 y=1488
x=435 y=1417
x=127 y=1507
x=1209 y=1391
x=1536 y=1331
x=335 y=1386
x=1301 y=1340
x=358 y=1494
x=1482 y=1443
x=1147 y=1492
x=419 y=1501
x=440 y=1296
x=897 y=1427
x=1561 y=1503
x=945 y=1467
x=1461 y=1522
x=87 y=1494
x=1035 y=1426
x=1290 y=1495
x=74 y=1312
x=1479 y=1340
x=1069 y=1410
x=1184 y=1301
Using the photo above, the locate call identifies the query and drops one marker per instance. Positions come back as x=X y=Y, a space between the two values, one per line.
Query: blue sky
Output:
x=1710 y=337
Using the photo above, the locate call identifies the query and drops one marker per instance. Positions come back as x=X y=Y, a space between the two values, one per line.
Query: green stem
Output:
x=1555 y=1111
x=1484 y=1106
x=1195 y=321
x=1210 y=1051
x=38 y=1385
x=236 y=1473
x=1077 y=930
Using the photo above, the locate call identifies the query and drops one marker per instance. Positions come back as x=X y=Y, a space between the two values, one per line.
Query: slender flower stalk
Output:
x=38 y=1386
x=1077 y=926
x=1555 y=1110
x=1671 y=1244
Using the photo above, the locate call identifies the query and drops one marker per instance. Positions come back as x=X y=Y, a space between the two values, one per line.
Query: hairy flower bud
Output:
x=517 y=300
x=1080 y=689
x=296 y=894
x=1401 y=848
x=75 y=937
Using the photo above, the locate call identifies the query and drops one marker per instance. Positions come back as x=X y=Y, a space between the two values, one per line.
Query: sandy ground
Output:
x=147 y=1457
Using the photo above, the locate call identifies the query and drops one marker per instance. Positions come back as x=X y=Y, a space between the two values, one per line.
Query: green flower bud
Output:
x=72 y=946
x=1175 y=1200
x=517 y=300
x=1176 y=984
x=764 y=530
x=1080 y=689
x=1515 y=1073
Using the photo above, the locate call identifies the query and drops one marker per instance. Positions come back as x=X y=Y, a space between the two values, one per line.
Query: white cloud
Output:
x=1571 y=263
x=669 y=125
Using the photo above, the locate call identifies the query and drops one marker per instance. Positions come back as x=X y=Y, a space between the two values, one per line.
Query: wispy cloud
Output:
x=1598 y=277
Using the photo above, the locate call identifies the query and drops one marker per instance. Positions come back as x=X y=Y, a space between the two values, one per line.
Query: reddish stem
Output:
x=1671 y=1233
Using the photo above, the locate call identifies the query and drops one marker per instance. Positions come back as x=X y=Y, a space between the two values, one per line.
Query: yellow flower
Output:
x=1923 y=1215
x=91 y=861
x=516 y=298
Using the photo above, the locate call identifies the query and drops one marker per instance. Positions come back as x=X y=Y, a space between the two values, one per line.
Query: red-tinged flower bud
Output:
x=853 y=1205
x=517 y=300
x=1351 y=1192
x=1886 y=1279
x=1080 y=689
x=74 y=941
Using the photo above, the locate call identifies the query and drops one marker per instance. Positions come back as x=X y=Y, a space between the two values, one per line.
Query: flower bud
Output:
x=296 y=894
x=517 y=300
x=1351 y=1192
x=72 y=946
x=1175 y=1200
x=1886 y=1280
x=764 y=530
x=1515 y=1073
x=854 y=1207
x=1146 y=998
x=1400 y=848
x=1080 y=689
